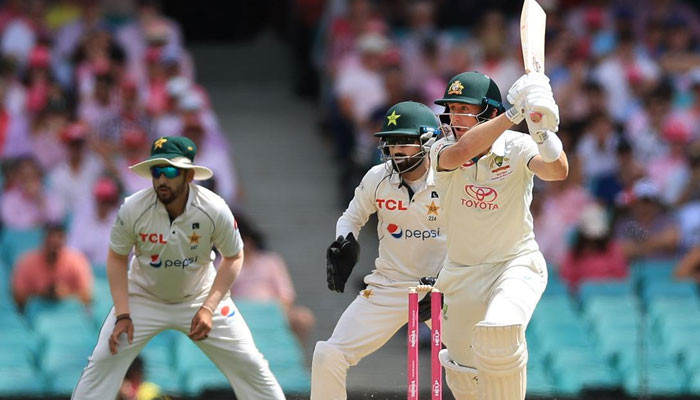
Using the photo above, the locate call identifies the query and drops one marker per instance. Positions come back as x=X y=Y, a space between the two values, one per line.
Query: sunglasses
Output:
x=400 y=140
x=169 y=171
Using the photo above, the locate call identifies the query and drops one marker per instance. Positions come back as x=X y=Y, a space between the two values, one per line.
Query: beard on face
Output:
x=167 y=196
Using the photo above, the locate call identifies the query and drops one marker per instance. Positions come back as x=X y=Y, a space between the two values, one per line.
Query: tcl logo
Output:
x=153 y=238
x=391 y=204
x=481 y=193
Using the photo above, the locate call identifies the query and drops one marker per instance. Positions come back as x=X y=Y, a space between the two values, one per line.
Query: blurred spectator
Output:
x=45 y=137
x=264 y=277
x=689 y=266
x=23 y=31
x=691 y=184
x=135 y=386
x=72 y=180
x=644 y=128
x=594 y=255
x=622 y=70
x=214 y=157
x=26 y=204
x=560 y=213
x=134 y=149
x=496 y=59
x=53 y=271
x=597 y=149
x=647 y=231
x=90 y=229
x=670 y=171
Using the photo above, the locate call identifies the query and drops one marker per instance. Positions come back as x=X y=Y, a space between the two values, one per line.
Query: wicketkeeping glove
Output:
x=341 y=257
x=424 y=305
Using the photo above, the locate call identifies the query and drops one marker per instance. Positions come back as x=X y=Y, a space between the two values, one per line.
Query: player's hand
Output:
x=341 y=258
x=425 y=306
x=124 y=325
x=201 y=324
x=547 y=111
x=526 y=84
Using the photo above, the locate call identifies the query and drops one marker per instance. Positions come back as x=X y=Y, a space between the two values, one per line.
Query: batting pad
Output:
x=501 y=358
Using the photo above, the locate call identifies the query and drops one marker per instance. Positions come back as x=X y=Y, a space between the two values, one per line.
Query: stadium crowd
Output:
x=626 y=76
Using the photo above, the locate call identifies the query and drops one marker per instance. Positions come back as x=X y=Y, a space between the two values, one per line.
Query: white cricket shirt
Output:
x=410 y=225
x=487 y=203
x=173 y=262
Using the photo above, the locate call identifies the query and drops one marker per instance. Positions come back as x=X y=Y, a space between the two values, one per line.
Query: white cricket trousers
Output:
x=365 y=326
x=229 y=345
x=504 y=293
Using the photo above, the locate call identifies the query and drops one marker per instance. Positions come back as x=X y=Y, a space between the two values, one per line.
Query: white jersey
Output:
x=410 y=225
x=173 y=261
x=487 y=202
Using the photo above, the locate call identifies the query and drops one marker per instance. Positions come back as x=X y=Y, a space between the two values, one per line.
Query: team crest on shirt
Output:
x=500 y=167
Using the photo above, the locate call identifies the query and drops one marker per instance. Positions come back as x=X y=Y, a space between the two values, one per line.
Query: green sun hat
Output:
x=177 y=151
x=472 y=88
x=408 y=118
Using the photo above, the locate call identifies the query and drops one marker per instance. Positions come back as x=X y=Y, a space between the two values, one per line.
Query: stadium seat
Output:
x=198 y=381
x=15 y=242
x=188 y=357
x=574 y=379
x=539 y=383
x=37 y=305
x=15 y=357
x=694 y=384
x=262 y=316
x=690 y=359
x=589 y=289
x=56 y=358
x=659 y=381
x=20 y=339
x=661 y=289
x=648 y=271
x=64 y=381
x=294 y=380
x=48 y=324
x=16 y=382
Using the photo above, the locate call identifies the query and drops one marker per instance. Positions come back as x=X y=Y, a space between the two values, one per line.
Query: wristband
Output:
x=514 y=115
x=122 y=316
x=550 y=148
x=207 y=308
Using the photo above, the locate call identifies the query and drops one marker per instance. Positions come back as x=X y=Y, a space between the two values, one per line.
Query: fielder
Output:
x=172 y=283
x=411 y=245
x=494 y=273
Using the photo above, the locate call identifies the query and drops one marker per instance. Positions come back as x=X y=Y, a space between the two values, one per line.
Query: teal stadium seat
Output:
x=36 y=306
x=56 y=358
x=21 y=382
x=198 y=381
x=690 y=360
x=694 y=384
x=653 y=271
x=660 y=289
x=590 y=289
x=64 y=381
x=15 y=242
x=660 y=381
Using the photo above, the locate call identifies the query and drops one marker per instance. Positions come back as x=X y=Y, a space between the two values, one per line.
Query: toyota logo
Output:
x=481 y=193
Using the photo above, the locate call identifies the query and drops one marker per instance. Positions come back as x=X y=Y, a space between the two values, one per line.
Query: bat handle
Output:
x=535 y=117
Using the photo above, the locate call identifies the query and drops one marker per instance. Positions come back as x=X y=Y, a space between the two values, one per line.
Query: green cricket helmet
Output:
x=472 y=88
x=408 y=124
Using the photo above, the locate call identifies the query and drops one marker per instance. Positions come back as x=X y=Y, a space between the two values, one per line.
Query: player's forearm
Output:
x=118 y=281
x=476 y=141
x=226 y=274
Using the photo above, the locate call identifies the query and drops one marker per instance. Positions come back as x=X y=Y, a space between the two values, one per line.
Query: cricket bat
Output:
x=533 y=22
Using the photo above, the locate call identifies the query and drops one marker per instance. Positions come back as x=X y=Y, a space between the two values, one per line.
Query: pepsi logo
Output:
x=394 y=230
x=227 y=311
x=156 y=261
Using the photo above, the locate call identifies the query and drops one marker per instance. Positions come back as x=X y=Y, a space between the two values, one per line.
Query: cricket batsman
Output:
x=171 y=282
x=494 y=273
x=411 y=232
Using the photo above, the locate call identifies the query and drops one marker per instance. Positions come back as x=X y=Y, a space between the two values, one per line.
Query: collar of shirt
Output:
x=395 y=178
